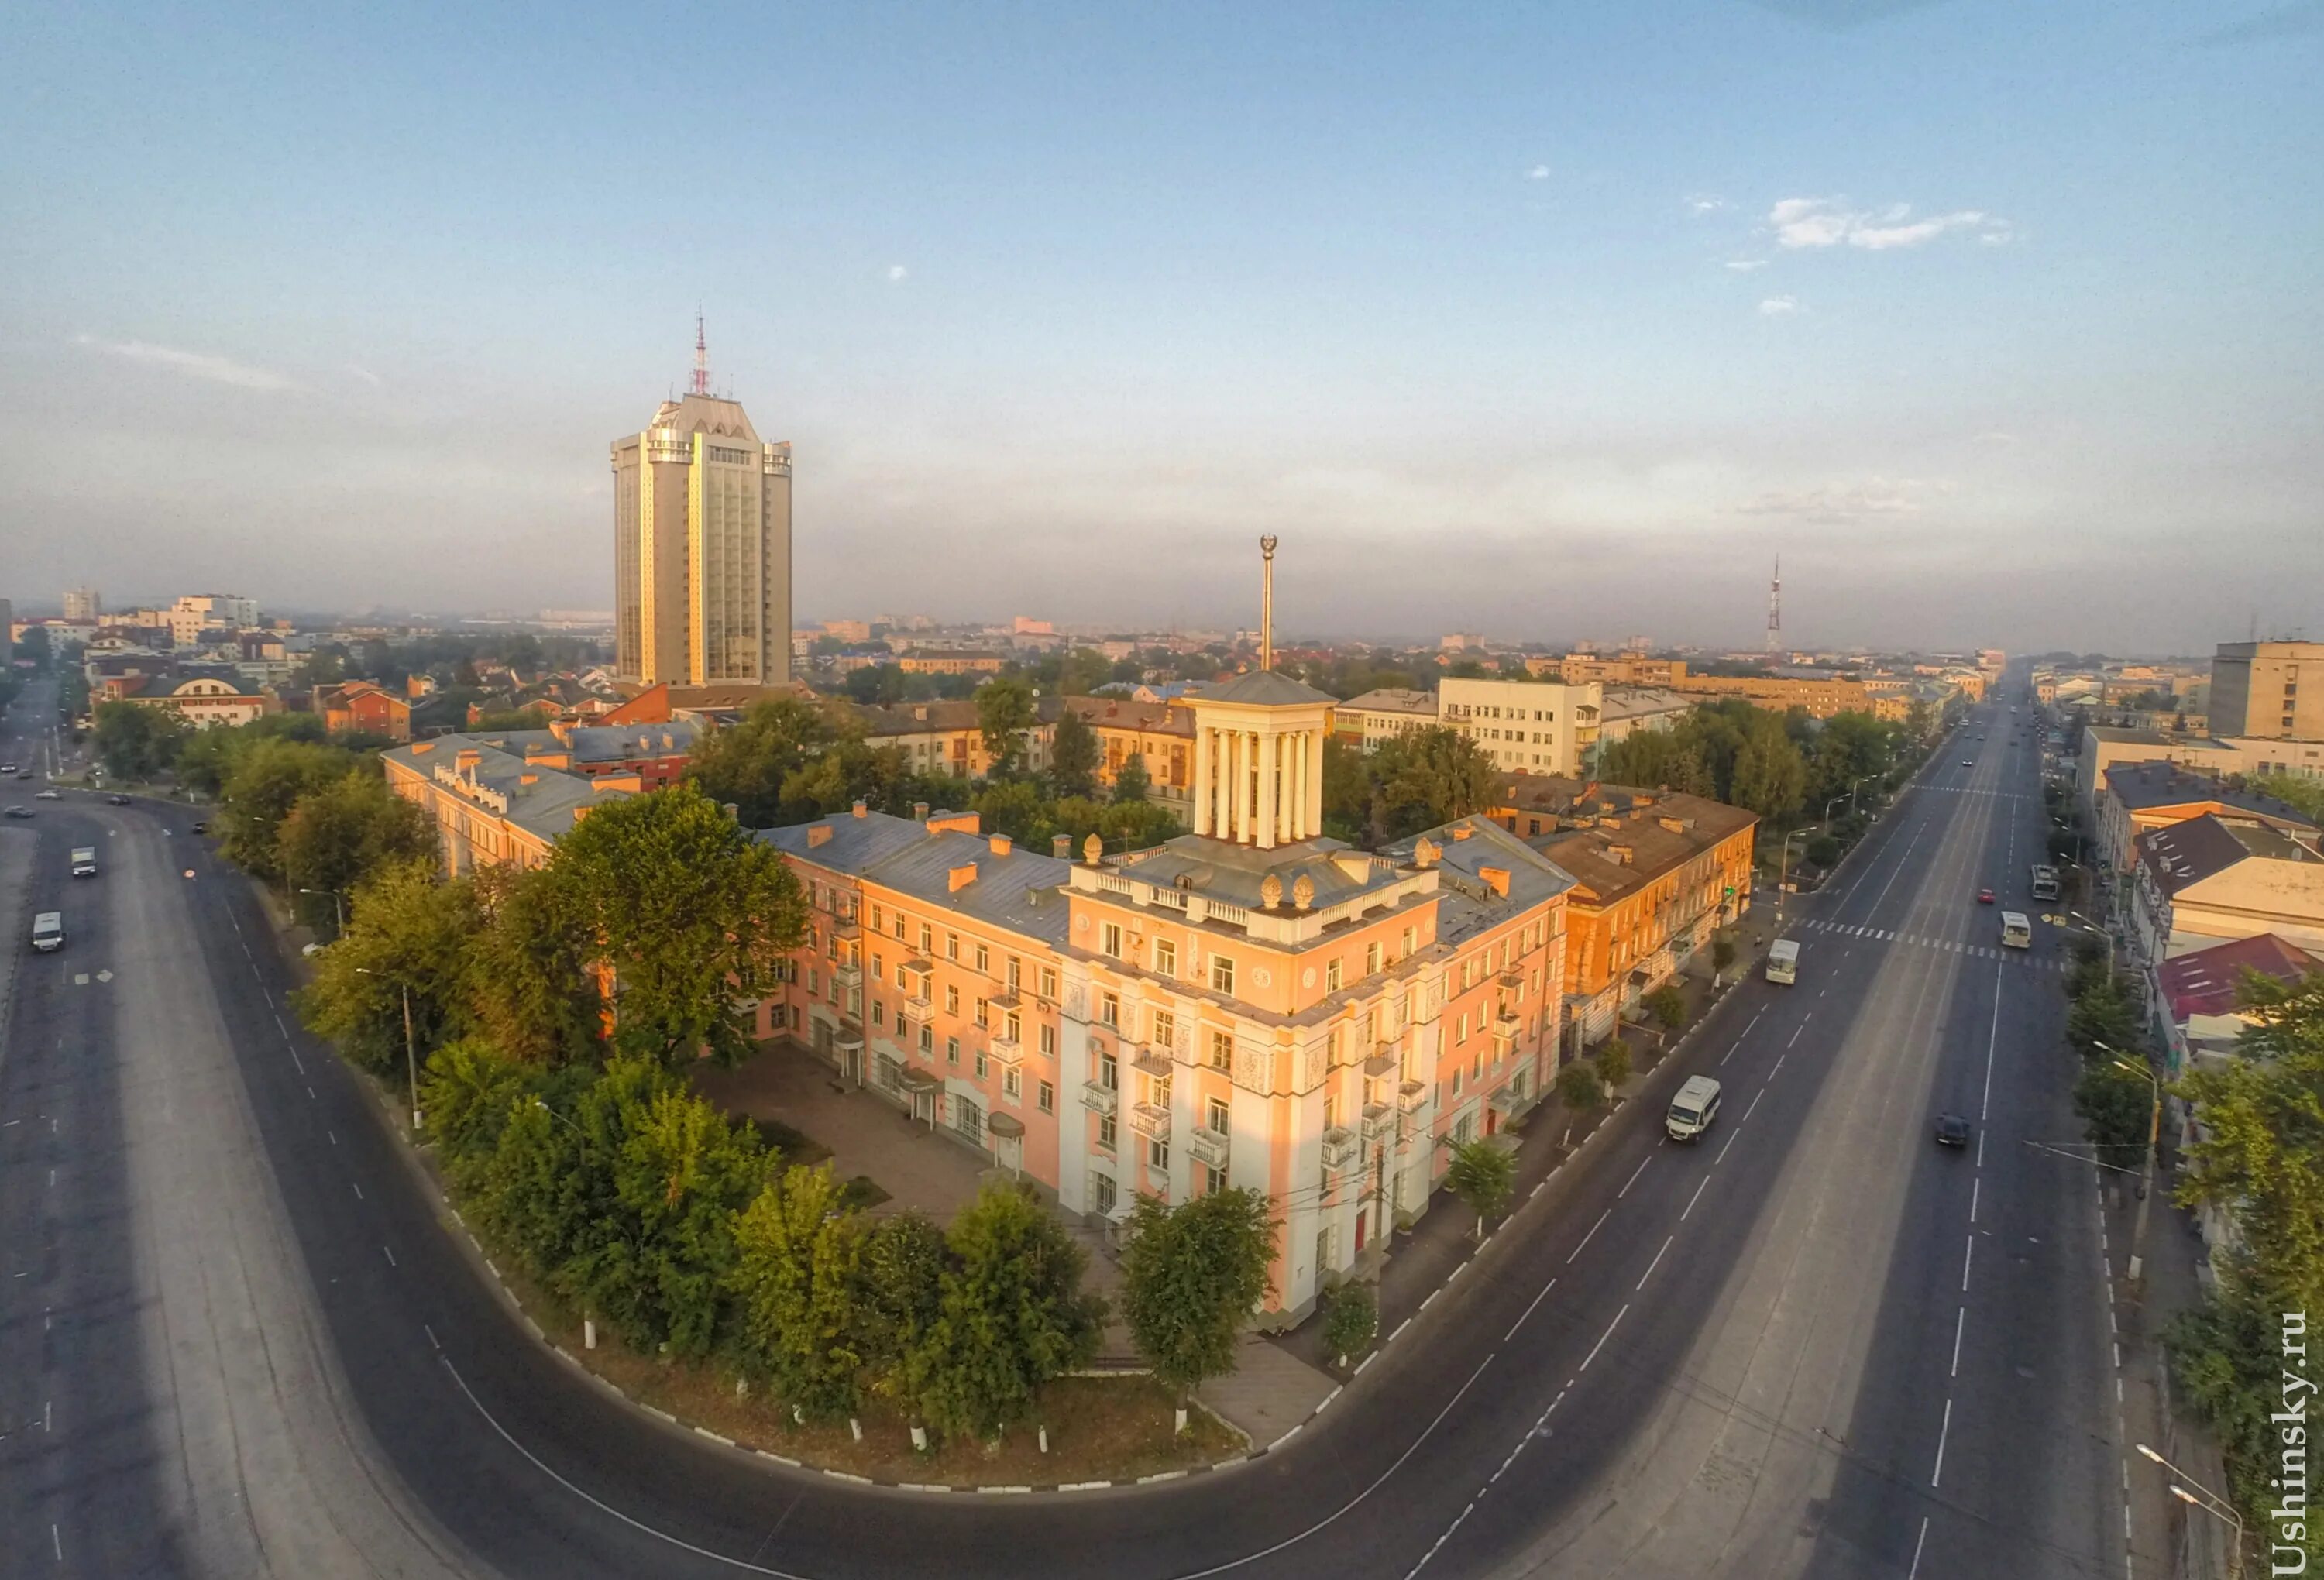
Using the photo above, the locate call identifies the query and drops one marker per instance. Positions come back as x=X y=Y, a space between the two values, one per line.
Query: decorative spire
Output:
x=1267 y=602
x=701 y=355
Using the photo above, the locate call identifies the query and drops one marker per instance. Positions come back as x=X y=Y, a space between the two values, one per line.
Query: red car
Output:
x=1985 y=896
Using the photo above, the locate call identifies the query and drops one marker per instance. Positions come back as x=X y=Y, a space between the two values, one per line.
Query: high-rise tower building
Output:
x=83 y=604
x=702 y=545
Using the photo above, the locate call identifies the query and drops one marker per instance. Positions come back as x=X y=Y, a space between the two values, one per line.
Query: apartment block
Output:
x=1378 y=717
x=2143 y=796
x=2255 y=691
x=1526 y=726
x=2218 y=877
x=1822 y=699
x=499 y=798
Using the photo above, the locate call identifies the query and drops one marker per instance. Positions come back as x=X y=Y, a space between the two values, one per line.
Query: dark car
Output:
x=201 y=828
x=1952 y=1130
x=117 y=801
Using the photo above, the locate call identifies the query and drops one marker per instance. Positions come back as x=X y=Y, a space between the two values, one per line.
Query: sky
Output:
x=2001 y=324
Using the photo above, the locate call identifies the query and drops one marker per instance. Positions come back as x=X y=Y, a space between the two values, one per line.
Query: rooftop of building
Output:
x=1004 y=884
x=1469 y=853
x=1621 y=853
x=2187 y=853
x=542 y=800
x=1264 y=688
x=2209 y=981
x=2143 y=784
x=1121 y=712
x=1392 y=699
x=1631 y=701
x=2128 y=735
x=1225 y=872
x=1561 y=796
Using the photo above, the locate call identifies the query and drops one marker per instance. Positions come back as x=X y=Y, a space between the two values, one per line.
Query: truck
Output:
x=49 y=930
x=1692 y=1111
x=1783 y=960
x=84 y=861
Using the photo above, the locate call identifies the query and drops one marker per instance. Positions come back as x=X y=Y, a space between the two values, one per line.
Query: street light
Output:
x=1782 y=872
x=2196 y=1495
x=1852 y=789
x=411 y=1056
x=2154 y=1144
x=338 y=910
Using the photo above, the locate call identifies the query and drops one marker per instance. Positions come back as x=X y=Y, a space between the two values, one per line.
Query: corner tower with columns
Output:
x=1258 y=747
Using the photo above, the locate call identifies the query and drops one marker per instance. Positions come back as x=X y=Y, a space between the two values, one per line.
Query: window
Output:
x=1157 y=1155
x=1047 y=1097
x=879 y=1012
x=1109 y=1008
x=1109 y=1071
x=1214 y=1180
x=927 y=1042
x=1214 y=1115
x=1221 y=1050
x=1461 y=1033
x=1456 y=1081
x=1109 y=939
x=1166 y=1029
x=1411 y=939
x=983 y=960
x=1107 y=1132
x=1012 y=1085
x=984 y=1012
x=1016 y=973
x=1011 y=1028
x=1330 y=976
x=952 y=999
x=1371 y=960
x=927 y=939
x=981 y=1069
x=1049 y=982
x=1104 y=1194
x=813 y=984
x=877 y=921
x=1221 y=974
x=951 y=1050
x=1165 y=957
x=952 y=946
x=1049 y=1042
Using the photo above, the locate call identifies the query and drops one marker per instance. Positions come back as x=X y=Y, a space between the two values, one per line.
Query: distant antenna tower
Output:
x=701 y=357
x=1775 y=607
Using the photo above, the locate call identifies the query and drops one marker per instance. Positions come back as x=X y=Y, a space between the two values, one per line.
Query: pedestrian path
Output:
x=1982 y=951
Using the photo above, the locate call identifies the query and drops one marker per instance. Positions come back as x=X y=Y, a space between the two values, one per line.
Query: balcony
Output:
x=1207 y=1147
x=1005 y=1050
x=1100 y=1098
x=1513 y=981
x=1506 y=1025
x=1152 y=1062
x=1340 y=1146
x=847 y=978
x=1387 y=1062
x=1150 y=1120
x=1379 y=1119
x=1411 y=1095
x=916 y=1011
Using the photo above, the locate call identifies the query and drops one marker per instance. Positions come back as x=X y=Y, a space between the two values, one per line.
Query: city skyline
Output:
x=1492 y=346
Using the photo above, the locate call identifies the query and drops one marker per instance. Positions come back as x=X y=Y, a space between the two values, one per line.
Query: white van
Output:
x=1783 y=960
x=49 y=930
x=1691 y=1111
x=2016 y=931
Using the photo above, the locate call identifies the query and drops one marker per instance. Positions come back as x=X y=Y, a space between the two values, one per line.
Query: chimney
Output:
x=1497 y=878
x=465 y=763
x=1061 y=846
x=819 y=834
x=861 y=810
x=919 y=811
x=1000 y=844
x=528 y=779
x=733 y=811
x=960 y=878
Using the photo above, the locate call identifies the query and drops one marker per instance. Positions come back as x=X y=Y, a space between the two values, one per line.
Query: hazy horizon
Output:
x=2000 y=329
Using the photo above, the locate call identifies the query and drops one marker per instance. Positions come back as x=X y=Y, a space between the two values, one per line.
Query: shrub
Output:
x=1351 y=1319
x=1578 y=1085
x=1667 y=1004
x=1614 y=1064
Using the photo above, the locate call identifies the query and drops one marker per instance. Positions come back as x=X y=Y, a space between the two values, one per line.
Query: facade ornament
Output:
x=1303 y=892
x=1093 y=848
x=1271 y=891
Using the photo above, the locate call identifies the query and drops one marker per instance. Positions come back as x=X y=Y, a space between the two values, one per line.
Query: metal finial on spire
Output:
x=701 y=356
x=1267 y=602
x=1776 y=606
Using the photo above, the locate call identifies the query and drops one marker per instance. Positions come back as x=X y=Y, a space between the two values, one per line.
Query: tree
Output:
x=1351 y=1319
x=407 y=932
x=1823 y=852
x=1579 y=1087
x=798 y=1259
x=898 y=1303
x=1770 y=777
x=530 y=985
x=1722 y=953
x=1191 y=1275
x=469 y=1088
x=747 y=764
x=1613 y=1061
x=1010 y=1316
x=1426 y=778
x=1483 y=1174
x=1656 y=757
x=1130 y=784
x=1667 y=1004
x=1074 y=755
x=341 y=832
x=1004 y=712
x=2116 y=1107
x=135 y=742
x=266 y=780
x=2106 y=1013
x=689 y=913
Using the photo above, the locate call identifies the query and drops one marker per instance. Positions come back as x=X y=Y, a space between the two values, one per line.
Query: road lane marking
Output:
x=1803 y=1026
x=1960 y=1320
x=432 y=1340
x=1593 y=1230
x=1968 y=1256
x=1778 y=1065
x=389 y=1255
x=1937 y=1476
x=1723 y=1151
x=359 y=1195
x=1602 y=1337
x=1528 y=1310
x=1693 y=1199
x=1973 y=1187
x=1913 y=1572
x=1657 y=1262
x=1633 y=1179
x=1755 y=1103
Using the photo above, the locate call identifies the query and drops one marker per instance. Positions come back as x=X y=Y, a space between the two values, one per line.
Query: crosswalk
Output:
x=1981 y=951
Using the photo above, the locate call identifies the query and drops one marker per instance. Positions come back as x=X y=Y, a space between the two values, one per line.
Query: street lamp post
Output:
x=1782 y=872
x=2154 y=1144
x=410 y=1053
x=1852 y=790
x=2196 y=1495
x=338 y=910
x=2106 y=933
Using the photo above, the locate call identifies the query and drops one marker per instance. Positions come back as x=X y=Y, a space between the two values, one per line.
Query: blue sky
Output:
x=1999 y=323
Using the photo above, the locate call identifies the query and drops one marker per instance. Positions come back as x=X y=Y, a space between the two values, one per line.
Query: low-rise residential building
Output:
x=202 y=698
x=2218 y=877
x=1822 y=697
x=1631 y=709
x=2142 y=796
x=946 y=736
x=2202 y=992
x=361 y=706
x=1581 y=668
x=924 y=661
x=492 y=799
x=1380 y=716
x=2103 y=746
x=1161 y=735
x=1651 y=885
x=1525 y=726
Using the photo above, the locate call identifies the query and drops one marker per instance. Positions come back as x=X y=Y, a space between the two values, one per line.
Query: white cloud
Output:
x=1745 y=265
x=897 y=272
x=194 y=364
x=1830 y=222
x=1845 y=501
x=1779 y=307
x=1539 y=172
x=366 y=375
x=1706 y=203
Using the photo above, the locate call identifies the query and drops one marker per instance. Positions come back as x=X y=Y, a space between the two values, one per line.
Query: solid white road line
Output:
x=1602 y=1337
x=1913 y=1573
x=1633 y=1179
x=1593 y=1230
x=1536 y=1301
x=1937 y=1476
x=1974 y=1185
x=1755 y=1103
x=1968 y=1256
x=1731 y=1137
x=1960 y=1320
x=1657 y=1262
x=1693 y=1199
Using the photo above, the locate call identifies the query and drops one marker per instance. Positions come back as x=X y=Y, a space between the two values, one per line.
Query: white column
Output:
x=1202 y=803
x=1270 y=754
x=1230 y=786
x=1315 y=757
x=1298 y=788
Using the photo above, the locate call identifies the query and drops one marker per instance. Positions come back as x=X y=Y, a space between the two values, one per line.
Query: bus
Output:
x=2045 y=882
x=1783 y=960
x=2016 y=931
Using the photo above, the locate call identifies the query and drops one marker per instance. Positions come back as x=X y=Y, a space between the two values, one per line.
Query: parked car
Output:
x=1952 y=1130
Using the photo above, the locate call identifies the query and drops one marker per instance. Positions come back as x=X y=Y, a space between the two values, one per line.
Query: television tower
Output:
x=1775 y=607
x=701 y=357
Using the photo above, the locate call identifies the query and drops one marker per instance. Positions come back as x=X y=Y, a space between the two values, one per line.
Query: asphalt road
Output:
x=261 y=1352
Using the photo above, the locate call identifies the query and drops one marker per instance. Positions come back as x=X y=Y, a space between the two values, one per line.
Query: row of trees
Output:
x=1773 y=763
x=1411 y=783
x=2259 y=1159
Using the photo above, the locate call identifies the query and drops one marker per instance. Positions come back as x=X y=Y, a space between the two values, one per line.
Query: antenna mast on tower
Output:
x=1267 y=602
x=701 y=357
x=1775 y=607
